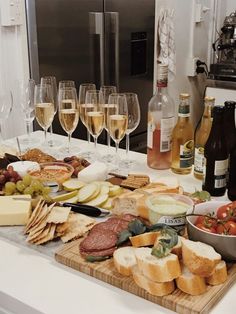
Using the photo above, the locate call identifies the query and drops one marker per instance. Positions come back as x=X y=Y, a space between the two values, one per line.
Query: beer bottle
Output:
x=216 y=156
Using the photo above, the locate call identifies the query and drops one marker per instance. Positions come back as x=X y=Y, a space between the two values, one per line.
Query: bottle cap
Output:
x=218 y=109
x=230 y=104
x=184 y=96
x=162 y=72
x=209 y=99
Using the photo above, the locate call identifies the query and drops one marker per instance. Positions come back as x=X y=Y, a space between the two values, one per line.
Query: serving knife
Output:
x=86 y=210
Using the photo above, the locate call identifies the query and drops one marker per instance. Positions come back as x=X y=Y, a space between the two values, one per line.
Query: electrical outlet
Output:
x=192 y=66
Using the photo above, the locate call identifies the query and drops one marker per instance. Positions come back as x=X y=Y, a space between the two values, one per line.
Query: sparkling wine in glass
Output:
x=68 y=111
x=133 y=122
x=94 y=115
x=44 y=107
x=118 y=122
x=6 y=105
x=108 y=109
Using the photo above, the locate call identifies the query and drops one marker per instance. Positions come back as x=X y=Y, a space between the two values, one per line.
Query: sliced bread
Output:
x=124 y=259
x=144 y=239
x=219 y=275
x=200 y=258
x=126 y=203
x=177 y=249
x=157 y=269
x=190 y=283
x=153 y=287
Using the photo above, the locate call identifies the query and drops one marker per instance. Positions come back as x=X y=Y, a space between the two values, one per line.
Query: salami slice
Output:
x=107 y=252
x=99 y=240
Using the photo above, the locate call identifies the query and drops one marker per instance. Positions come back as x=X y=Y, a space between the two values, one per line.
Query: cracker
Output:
x=48 y=236
x=34 y=215
x=58 y=214
x=43 y=215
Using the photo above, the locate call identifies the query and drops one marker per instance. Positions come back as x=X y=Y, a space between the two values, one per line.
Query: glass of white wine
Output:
x=117 y=122
x=108 y=109
x=44 y=107
x=66 y=83
x=94 y=115
x=68 y=111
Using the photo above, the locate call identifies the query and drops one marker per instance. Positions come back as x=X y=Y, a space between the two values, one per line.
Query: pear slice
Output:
x=115 y=190
x=104 y=189
x=72 y=200
x=72 y=184
x=108 y=204
x=97 y=201
x=64 y=197
x=88 y=192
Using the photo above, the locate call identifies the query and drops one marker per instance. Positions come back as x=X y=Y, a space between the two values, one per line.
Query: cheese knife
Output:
x=86 y=210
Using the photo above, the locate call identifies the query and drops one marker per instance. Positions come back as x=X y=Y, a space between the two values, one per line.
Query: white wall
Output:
x=230 y=6
x=14 y=67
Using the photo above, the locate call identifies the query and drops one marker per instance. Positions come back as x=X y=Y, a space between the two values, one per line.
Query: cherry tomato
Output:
x=228 y=227
x=220 y=229
x=206 y=221
x=202 y=227
x=227 y=212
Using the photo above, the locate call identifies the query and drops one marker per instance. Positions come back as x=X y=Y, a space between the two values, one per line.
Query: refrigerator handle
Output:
x=96 y=23
x=112 y=48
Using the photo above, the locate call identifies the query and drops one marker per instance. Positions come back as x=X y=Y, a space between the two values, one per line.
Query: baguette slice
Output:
x=219 y=275
x=157 y=269
x=144 y=239
x=200 y=258
x=177 y=249
x=153 y=287
x=126 y=203
x=124 y=259
x=190 y=283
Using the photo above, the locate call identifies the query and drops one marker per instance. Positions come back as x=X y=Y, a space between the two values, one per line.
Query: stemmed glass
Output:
x=94 y=115
x=68 y=111
x=108 y=109
x=44 y=108
x=66 y=83
x=51 y=80
x=118 y=122
x=133 y=122
x=6 y=104
x=26 y=90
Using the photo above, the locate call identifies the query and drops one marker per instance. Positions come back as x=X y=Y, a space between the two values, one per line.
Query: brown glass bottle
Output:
x=216 y=156
x=232 y=175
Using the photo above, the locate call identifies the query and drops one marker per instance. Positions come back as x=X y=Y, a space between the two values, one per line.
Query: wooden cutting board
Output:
x=177 y=301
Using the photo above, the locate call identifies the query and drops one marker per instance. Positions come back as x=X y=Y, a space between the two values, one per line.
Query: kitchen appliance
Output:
x=102 y=41
x=225 y=51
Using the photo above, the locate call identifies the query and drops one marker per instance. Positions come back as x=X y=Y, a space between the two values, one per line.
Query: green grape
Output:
x=28 y=190
x=27 y=180
x=20 y=186
x=46 y=190
x=10 y=188
x=35 y=185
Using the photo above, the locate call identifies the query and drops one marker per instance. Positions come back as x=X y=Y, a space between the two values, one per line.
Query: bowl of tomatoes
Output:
x=214 y=223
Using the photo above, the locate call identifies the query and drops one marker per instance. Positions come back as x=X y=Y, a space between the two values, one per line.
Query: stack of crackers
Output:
x=135 y=181
x=49 y=222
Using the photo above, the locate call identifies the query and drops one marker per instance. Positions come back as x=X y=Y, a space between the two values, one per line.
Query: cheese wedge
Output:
x=14 y=212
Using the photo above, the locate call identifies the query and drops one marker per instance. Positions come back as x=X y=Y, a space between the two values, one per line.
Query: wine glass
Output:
x=68 y=111
x=117 y=121
x=94 y=115
x=67 y=83
x=6 y=104
x=44 y=108
x=51 y=80
x=133 y=122
x=108 y=108
x=26 y=90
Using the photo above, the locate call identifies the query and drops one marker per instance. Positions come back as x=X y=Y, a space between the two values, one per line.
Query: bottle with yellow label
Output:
x=182 y=139
x=201 y=136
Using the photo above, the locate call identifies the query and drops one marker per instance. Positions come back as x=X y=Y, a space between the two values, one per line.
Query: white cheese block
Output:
x=14 y=212
x=22 y=167
x=97 y=171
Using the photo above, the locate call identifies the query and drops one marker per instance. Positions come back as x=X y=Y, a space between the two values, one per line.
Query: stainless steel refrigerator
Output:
x=102 y=41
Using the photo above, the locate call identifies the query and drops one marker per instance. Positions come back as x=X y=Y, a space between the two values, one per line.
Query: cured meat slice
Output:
x=99 y=240
x=107 y=252
x=128 y=217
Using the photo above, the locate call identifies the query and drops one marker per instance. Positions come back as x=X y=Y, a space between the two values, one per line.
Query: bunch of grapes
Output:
x=8 y=175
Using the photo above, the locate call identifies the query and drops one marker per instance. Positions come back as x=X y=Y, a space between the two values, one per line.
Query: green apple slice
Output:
x=72 y=184
x=104 y=189
x=64 y=197
x=107 y=205
x=115 y=190
x=97 y=201
x=88 y=192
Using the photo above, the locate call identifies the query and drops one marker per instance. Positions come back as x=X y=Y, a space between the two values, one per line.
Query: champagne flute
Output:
x=44 y=108
x=66 y=83
x=94 y=115
x=51 y=80
x=108 y=109
x=118 y=122
x=27 y=104
x=6 y=104
x=133 y=122
x=68 y=111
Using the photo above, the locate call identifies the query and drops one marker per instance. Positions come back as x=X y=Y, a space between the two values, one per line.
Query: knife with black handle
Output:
x=86 y=210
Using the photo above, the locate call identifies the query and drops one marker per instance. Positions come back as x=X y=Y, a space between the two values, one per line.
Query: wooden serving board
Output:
x=177 y=301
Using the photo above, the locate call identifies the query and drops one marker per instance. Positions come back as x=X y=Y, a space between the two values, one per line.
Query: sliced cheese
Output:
x=97 y=171
x=14 y=212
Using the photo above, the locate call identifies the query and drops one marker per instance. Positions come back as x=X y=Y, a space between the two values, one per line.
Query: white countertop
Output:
x=31 y=283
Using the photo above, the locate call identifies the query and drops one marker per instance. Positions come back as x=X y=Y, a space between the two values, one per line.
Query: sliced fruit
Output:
x=64 y=197
x=97 y=201
x=104 y=189
x=72 y=200
x=72 y=184
x=88 y=192
x=106 y=183
x=115 y=190
x=107 y=205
